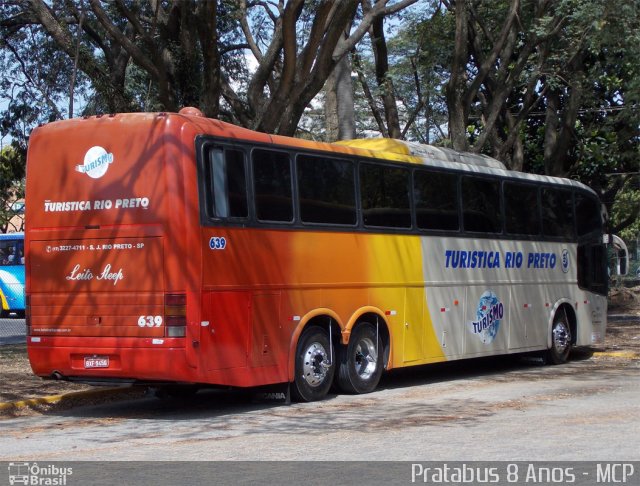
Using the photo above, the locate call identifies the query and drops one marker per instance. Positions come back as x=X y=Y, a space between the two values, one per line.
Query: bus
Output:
x=12 y=274
x=170 y=249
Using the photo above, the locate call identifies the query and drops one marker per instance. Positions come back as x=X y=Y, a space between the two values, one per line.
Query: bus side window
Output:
x=588 y=214
x=227 y=183
x=592 y=268
x=272 y=185
x=522 y=214
x=436 y=200
x=326 y=190
x=481 y=205
x=557 y=212
x=384 y=193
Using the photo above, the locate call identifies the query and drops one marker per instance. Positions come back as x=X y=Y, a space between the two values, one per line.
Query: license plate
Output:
x=96 y=362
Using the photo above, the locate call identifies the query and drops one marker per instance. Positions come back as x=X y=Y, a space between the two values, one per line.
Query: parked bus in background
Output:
x=174 y=249
x=12 y=274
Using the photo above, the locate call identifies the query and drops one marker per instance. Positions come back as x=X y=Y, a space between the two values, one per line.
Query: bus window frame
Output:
x=204 y=141
x=537 y=187
x=356 y=190
x=479 y=176
x=368 y=228
x=292 y=185
x=458 y=200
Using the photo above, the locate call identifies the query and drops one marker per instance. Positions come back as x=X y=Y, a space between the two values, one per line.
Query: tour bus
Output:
x=171 y=249
x=12 y=274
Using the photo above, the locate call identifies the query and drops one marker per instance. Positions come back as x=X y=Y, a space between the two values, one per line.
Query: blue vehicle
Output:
x=12 y=274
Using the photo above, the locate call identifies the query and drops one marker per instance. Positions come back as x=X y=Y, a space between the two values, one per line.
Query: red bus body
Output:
x=105 y=253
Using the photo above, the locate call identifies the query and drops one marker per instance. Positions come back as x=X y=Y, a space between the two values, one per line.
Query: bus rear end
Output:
x=100 y=305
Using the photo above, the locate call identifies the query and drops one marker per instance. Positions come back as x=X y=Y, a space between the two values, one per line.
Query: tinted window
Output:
x=592 y=268
x=557 y=213
x=384 y=193
x=226 y=184
x=521 y=210
x=588 y=216
x=326 y=188
x=11 y=252
x=436 y=200
x=481 y=205
x=272 y=185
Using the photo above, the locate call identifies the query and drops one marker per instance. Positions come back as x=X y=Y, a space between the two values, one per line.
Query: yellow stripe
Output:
x=5 y=304
x=617 y=354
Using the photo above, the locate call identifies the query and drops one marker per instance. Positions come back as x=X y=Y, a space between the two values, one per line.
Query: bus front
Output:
x=100 y=306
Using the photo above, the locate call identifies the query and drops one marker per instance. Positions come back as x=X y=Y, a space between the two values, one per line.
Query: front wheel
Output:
x=560 y=341
x=315 y=366
x=361 y=361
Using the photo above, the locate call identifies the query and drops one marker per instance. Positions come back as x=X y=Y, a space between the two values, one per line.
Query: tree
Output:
x=11 y=186
x=550 y=87
x=193 y=52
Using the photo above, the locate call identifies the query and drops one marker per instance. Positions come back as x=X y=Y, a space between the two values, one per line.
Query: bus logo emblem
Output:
x=488 y=317
x=565 y=260
x=96 y=162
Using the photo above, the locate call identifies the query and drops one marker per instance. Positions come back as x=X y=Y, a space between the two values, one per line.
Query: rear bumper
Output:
x=128 y=358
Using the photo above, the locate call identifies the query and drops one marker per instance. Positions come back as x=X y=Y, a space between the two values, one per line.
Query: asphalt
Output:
x=103 y=393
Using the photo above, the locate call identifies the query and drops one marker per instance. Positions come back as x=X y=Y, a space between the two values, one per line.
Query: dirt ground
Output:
x=17 y=381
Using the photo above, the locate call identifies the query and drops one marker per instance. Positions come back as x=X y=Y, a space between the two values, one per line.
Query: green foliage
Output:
x=12 y=164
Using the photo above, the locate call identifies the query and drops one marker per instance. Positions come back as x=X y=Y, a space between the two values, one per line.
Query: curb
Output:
x=65 y=397
x=617 y=354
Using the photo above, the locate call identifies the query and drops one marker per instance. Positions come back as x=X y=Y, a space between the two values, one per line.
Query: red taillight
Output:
x=175 y=312
x=175 y=300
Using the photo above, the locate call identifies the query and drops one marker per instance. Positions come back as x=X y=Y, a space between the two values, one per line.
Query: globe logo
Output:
x=489 y=314
x=96 y=162
x=565 y=260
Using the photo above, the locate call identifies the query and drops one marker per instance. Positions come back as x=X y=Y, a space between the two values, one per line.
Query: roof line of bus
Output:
x=208 y=126
x=291 y=142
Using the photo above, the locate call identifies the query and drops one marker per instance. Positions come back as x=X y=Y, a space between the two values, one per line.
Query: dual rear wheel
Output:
x=358 y=365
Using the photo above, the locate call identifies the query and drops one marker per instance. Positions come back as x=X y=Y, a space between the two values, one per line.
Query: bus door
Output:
x=413 y=323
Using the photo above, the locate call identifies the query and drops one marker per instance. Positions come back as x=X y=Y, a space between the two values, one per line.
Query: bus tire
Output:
x=314 y=366
x=560 y=348
x=361 y=361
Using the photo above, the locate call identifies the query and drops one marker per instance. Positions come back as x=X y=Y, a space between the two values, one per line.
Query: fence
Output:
x=12 y=330
x=12 y=324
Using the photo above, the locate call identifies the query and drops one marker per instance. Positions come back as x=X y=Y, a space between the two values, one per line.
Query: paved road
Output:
x=486 y=409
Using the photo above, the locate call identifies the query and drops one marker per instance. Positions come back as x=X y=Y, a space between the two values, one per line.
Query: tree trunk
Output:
x=385 y=84
x=456 y=87
x=339 y=110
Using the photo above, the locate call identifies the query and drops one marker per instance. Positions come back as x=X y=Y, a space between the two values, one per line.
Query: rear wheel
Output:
x=361 y=361
x=561 y=338
x=315 y=366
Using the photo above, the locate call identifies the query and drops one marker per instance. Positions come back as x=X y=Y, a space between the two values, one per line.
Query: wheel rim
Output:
x=316 y=364
x=366 y=358
x=561 y=337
